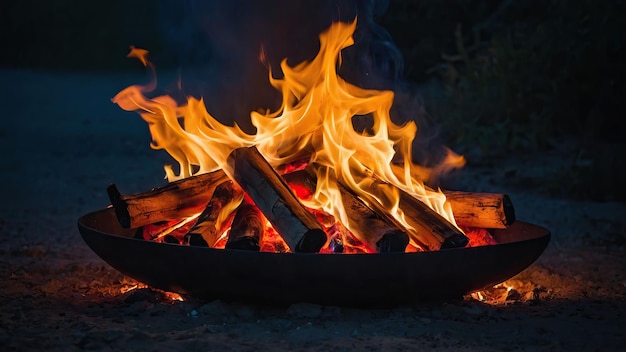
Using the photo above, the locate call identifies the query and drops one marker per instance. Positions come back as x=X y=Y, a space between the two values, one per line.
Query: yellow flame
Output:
x=315 y=120
x=182 y=223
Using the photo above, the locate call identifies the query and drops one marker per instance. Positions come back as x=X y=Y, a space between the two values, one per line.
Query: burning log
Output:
x=432 y=229
x=371 y=228
x=482 y=210
x=247 y=229
x=217 y=215
x=394 y=241
x=269 y=191
x=175 y=200
x=427 y=227
x=165 y=231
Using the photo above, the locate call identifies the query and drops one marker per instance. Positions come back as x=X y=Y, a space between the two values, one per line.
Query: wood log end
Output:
x=509 y=210
x=312 y=241
x=393 y=241
x=455 y=240
x=120 y=206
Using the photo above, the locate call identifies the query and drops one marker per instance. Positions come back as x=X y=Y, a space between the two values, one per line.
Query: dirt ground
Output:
x=62 y=142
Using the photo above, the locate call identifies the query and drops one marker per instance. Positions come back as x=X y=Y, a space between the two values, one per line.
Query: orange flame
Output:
x=315 y=120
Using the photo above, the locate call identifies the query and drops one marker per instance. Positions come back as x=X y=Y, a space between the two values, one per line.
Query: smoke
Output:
x=217 y=47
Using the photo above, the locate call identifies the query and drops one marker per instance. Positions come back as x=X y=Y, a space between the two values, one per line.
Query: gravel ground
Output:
x=63 y=142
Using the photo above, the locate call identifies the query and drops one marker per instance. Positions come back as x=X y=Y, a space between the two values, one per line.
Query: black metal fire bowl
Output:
x=333 y=279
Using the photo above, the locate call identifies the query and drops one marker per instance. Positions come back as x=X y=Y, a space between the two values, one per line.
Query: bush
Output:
x=559 y=71
x=523 y=76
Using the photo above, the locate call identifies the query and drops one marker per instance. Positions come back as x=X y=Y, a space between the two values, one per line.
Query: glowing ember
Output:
x=511 y=291
x=314 y=123
x=129 y=285
x=173 y=296
x=168 y=231
x=478 y=237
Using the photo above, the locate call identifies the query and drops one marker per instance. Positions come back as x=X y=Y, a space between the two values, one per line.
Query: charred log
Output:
x=482 y=210
x=175 y=200
x=363 y=222
x=425 y=226
x=393 y=241
x=269 y=191
x=247 y=229
x=433 y=229
x=216 y=217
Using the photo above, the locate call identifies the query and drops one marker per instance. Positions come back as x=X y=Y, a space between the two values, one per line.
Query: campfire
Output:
x=309 y=180
x=302 y=209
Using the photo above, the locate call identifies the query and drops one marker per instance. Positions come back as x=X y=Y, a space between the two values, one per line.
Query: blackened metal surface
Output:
x=334 y=279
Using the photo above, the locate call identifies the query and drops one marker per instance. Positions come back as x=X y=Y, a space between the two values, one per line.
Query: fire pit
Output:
x=333 y=279
x=310 y=207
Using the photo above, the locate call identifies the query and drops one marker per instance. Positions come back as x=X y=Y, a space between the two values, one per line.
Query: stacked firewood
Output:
x=238 y=210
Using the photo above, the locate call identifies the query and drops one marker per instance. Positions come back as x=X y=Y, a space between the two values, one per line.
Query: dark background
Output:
x=502 y=78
